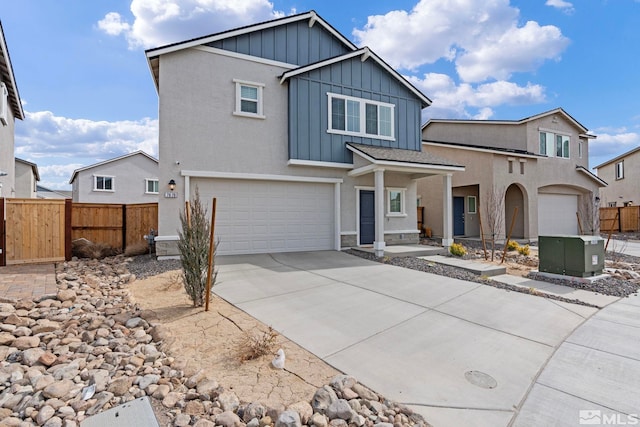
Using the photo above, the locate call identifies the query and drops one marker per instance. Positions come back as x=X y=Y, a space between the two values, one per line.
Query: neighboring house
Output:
x=27 y=177
x=10 y=110
x=47 y=193
x=306 y=141
x=623 y=175
x=538 y=164
x=132 y=178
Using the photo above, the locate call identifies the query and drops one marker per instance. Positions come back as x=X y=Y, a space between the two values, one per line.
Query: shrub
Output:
x=193 y=245
x=257 y=343
x=512 y=245
x=457 y=249
x=140 y=248
x=524 y=250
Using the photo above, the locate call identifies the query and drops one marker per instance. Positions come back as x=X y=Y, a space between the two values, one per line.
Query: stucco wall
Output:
x=7 y=162
x=25 y=181
x=129 y=176
x=625 y=189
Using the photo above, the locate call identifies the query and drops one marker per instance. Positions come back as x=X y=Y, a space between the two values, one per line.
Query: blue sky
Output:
x=88 y=94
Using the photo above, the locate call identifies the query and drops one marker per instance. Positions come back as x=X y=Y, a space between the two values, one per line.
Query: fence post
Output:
x=124 y=227
x=3 y=235
x=68 y=209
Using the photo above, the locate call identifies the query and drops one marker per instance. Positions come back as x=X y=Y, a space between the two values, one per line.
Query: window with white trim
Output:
x=554 y=145
x=471 y=205
x=395 y=202
x=152 y=186
x=620 y=170
x=103 y=183
x=249 y=102
x=349 y=115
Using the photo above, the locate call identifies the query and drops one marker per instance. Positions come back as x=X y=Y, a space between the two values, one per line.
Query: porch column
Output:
x=378 y=244
x=447 y=211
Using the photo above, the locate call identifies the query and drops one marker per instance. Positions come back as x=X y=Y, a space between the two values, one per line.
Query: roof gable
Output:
x=115 y=159
x=33 y=166
x=6 y=76
x=620 y=157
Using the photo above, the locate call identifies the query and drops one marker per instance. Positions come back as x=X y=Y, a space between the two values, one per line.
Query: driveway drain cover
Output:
x=481 y=379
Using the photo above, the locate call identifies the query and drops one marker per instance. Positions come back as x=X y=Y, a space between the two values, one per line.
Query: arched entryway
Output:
x=514 y=198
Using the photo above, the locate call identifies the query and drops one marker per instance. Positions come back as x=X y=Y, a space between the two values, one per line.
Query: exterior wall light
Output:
x=172 y=185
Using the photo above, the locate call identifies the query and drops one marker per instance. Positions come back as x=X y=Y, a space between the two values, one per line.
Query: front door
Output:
x=458 y=216
x=367 y=217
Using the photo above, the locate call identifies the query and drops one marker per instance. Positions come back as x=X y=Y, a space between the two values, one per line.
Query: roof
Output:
x=33 y=166
x=312 y=16
x=601 y=182
x=6 y=75
x=518 y=122
x=398 y=155
x=46 y=193
x=498 y=150
x=115 y=159
x=620 y=157
x=365 y=53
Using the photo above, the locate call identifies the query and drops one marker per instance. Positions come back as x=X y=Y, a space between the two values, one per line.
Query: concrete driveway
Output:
x=459 y=353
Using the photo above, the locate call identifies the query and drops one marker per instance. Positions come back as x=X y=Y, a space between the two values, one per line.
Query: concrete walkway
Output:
x=460 y=353
x=27 y=281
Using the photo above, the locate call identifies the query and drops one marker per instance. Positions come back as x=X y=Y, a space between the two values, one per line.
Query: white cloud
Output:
x=565 y=6
x=159 y=22
x=451 y=100
x=609 y=145
x=59 y=145
x=484 y=39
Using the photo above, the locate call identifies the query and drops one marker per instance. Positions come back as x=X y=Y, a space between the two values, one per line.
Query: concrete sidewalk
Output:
x=460 y=353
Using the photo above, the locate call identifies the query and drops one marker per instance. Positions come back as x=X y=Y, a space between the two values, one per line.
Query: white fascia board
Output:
x=259 y=177
x=484 y=150
x=333 y=165
x=320 y=64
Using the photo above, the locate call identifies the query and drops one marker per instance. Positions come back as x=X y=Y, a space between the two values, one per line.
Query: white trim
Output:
x=475 y=205
x=482 y=150
x=401 y=231
x=348 y=233
x=259 y=177
x=146 y=185
x=170 y=238
x=259 y=99
x=403 y=212
x=362 y=102
x=242 y=56
x=107 y=190
x=336 y=216
x=363 y=170
x=335 y=165
x=115 y=159
x=557 y=132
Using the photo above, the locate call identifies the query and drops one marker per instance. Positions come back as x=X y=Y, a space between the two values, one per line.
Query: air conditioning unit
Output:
x=4 y=104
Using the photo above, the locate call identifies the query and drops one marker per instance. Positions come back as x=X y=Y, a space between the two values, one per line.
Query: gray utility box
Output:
x=579 y=256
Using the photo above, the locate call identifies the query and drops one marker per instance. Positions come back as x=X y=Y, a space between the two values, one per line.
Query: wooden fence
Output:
x=623 y=219
x=41 y=230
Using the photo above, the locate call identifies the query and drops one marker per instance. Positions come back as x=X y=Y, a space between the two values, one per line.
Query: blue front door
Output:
x=367 y=217
x=458 y=216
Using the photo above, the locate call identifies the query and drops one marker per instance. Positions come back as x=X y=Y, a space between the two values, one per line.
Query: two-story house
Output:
x=539 y=165
x=306 y=141
x=622 y=173
x=10 y=110
x=27 y=177
x=131 y=178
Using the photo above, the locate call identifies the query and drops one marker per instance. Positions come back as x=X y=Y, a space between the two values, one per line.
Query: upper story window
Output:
x=554 y=145
x=249 y=101
x=151 y=186
x=620 y=170
x=361 y=117
x=102 y=183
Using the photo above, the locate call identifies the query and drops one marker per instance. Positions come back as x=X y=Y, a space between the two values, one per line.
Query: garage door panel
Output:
x=557 y=214
x=270 y=216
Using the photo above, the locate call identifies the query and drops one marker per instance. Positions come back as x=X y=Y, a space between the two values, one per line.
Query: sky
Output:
x=88 y=94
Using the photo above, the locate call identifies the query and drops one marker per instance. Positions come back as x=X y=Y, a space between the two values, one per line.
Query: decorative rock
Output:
x=304 y=409
x=147 y=380
x=323 y=397
x=66 y=295
x=364 y=392
x=171 y=399
x=338 y=422
x=204 y=423
x=289 y=419
x=228 y=419
x=194 y=407
x=318 y=420
x=182 y=420
x=58 y=389
x=31 y=356
x=47 y=358
x=253 y=410
x=23 y=343
x=340 y=382
x=119 y=386
x=44 y=414
x=228 y=401
x=339 y=409
x=6 y=338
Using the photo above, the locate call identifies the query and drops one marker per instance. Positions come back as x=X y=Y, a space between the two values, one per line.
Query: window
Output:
x=102 y=183
x=510 y=166
x=553 y=145
x=360 y=117
x=612 y=204
x=395 y=202
x=471 y=204
x=580 y=149
x=522 y=167
x=151 y=186
x=249 y=99
x=620 y=170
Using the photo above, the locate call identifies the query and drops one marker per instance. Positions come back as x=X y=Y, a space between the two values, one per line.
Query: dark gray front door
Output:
x=367 y=217
x=458 y=216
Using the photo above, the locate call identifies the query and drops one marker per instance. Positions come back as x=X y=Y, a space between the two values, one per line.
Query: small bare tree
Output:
x=494 y=215
x=193 y=245
x=589 y=214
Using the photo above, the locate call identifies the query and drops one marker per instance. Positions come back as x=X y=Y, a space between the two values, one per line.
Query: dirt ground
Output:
x=214 y=341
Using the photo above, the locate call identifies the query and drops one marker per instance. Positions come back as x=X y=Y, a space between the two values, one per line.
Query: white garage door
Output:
x=271 y=216
x=557 y=214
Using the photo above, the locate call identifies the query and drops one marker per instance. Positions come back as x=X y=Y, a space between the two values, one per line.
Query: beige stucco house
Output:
x=131 y=178
x=538 y=165
x=10 y=110
x=623 y=175
x=27 y=177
